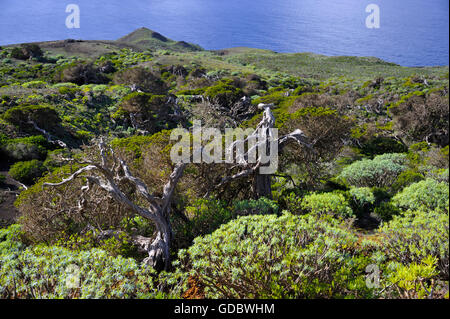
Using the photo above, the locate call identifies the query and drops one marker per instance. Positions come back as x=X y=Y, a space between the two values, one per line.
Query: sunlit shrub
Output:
x=417 y=234
x=277 y=257
x=362 y=196
x=27 y=172
x=427 y=194
x=382 y=171
x=412 y=281
x=327 y=203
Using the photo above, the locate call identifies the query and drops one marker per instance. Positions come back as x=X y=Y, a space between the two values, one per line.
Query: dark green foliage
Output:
x=32 y=51
x=27 y=172
x=142 y=79
x=382 y=145
x=26 y=51
x=386 y=211
x=259 y=206
x=44 y=116
x=224 y=93
x=205 y=216
x=81 y=73
x=17 y=53
x=145 y=111
x=405 y=179
x=26 y=148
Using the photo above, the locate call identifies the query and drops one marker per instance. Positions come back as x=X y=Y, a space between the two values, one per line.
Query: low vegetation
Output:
x=368 y=188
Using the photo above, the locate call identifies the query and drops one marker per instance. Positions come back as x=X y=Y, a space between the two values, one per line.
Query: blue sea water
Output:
x=411 y=33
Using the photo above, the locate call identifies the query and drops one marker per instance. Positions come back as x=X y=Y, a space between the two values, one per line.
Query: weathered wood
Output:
x=109 y=177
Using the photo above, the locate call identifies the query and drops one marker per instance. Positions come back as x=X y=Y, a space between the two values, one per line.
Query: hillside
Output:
x=87 y=177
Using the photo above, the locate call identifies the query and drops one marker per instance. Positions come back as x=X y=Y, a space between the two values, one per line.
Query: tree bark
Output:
x=108 y=175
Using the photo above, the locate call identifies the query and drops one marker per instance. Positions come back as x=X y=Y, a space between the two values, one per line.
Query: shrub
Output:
x=27 y=148
x=386 y=211
x=11 y=240
x=277 y=257
x=405 y=179
x=383 y=145
x=422 y=118
x=44 y=116
x=412 y=281
x=141 y=78
x=327 y=203
x=81 y=73
x=31 y=51
x=427 y=194
x=35 y=84
x=412 y=237
x=362 y=196
x=2 y=179
x=146 y=111
x=205 y=216
x=49 y=271
x=259 y=206
x=45 y=272
x=382 y=171
x=223 y=93
x=27 y=172
x=293 y=203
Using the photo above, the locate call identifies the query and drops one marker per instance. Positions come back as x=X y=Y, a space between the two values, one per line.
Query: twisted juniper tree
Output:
x=114 y=176
x=266 y=139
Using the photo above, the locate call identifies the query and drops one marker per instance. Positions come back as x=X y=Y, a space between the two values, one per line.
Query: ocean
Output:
x=410 y=33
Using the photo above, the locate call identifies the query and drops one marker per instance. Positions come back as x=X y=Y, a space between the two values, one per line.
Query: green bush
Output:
x=427 y=194
x=45 y=272
x=383 y=145
x=11 y=240
x=382 y=171
x=2 y=179
x=223 y=93
x=416 y=235
x=17 y=53
x=266 y=256
x=205 y=216
x=413 y=281
x=259 y=206
x=386 y=211
x=293 y=203
x=44 y=116
x=327 y=203
x=362 y=196
x=27 y=172
x=405 y=179
x=26 y=148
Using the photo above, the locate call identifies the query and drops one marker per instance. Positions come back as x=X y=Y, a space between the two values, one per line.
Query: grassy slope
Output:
x=241 y=59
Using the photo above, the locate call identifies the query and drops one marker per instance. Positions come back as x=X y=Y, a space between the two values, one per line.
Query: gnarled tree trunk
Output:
x=109 y=175
x=262 y=186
